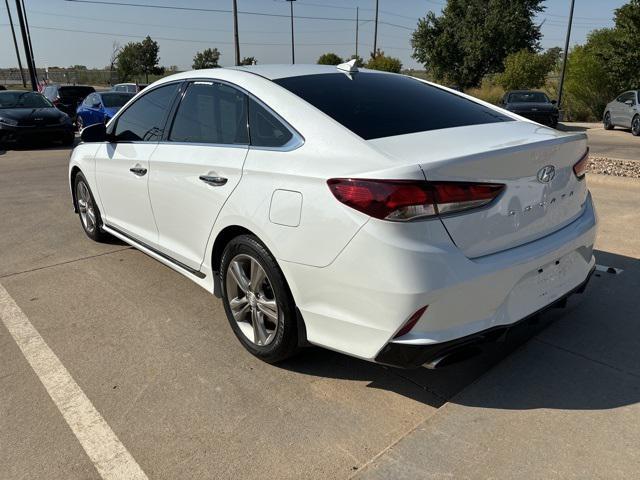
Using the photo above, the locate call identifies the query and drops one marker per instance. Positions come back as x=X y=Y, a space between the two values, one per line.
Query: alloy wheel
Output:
x=252 y=300
x=86 y=207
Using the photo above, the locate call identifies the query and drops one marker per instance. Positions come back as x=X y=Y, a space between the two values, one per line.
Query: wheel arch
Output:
x=222 y=239
x=72 y=180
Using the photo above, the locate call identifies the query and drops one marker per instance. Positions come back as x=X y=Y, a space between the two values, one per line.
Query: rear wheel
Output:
x=257 y=300
x=88 y=212
x=606 y=122
x=635 y=126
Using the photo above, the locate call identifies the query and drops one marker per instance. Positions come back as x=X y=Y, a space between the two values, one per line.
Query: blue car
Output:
x=100 y=107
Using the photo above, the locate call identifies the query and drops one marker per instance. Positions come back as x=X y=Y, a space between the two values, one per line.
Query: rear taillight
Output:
x=403 y=200
x=580 y=168
x=413 y=319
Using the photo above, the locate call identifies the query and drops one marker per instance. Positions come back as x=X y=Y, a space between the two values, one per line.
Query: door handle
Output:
x=213 y=181
x=139 y=171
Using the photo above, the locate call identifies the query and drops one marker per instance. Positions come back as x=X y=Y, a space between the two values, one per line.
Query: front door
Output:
x=122 y=166
x=195 y=170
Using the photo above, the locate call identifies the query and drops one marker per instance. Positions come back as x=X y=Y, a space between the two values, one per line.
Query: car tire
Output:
x=88 y=211
x=606 y=122
x=635 y=126
x=79 y=124
x=257 y=300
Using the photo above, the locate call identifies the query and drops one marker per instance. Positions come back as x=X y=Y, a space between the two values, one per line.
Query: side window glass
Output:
x=265 y=129
x=144 y=120
x=211 y=113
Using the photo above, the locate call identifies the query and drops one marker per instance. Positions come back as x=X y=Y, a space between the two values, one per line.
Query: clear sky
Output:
x=66 y=33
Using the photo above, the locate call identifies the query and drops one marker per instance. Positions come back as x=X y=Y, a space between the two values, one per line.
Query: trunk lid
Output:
x=514 y=154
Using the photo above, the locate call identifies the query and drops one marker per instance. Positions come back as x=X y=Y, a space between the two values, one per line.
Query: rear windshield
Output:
x=77 y=92
x=116 y=99
x=528 y=97
x=23 y=100
x=375 y=105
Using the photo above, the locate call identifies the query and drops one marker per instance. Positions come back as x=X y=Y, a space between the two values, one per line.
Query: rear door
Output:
x=627 y=109
x=122 y=166
x=197 y=167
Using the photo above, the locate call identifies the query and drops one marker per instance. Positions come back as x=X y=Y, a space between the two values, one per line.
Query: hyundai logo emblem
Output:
x=546 y=174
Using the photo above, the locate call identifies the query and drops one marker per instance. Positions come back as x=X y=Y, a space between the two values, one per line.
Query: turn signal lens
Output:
x=580 y=168
x=413 y=319
x=403 y=200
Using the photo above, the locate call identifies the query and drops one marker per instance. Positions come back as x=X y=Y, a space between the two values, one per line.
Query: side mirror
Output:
x=94 y=133
x=554 y=102
x=629 y=103
x=96 y=105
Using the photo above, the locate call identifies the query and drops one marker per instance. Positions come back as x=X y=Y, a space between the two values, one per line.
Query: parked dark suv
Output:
x=533 y=105
x=67 y=97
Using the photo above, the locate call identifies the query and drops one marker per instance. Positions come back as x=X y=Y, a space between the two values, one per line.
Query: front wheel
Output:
x=606 y=122
x=635 y=126
x=88 y=212
x=257 y=300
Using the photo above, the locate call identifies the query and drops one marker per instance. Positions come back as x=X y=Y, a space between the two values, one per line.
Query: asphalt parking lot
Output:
x=154 y=357
x=617 y=143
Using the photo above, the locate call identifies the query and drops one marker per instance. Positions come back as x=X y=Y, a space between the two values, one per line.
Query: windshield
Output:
x=23 y=100
x=376 y=105
x=111 y=100
x=528 y=97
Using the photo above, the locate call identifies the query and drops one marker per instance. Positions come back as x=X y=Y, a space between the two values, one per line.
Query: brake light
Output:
x=413 y=319
x=580 y=168
x=403 y=200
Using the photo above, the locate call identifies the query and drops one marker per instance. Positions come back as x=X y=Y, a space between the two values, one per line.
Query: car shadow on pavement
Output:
x=585 y=356
x=570 y=128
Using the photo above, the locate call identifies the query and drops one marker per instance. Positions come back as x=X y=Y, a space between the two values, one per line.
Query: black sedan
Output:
x=29 y=117
x=533 y=105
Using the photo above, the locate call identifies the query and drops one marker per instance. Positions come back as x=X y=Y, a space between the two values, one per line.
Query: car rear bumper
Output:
x=389 y=271
x=441 y=354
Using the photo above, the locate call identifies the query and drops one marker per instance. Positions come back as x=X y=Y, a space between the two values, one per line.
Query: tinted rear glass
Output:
x=75 y=92
x=13 y=99
x=375 y=105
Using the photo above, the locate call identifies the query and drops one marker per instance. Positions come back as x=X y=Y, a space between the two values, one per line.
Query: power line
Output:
x=185 y=40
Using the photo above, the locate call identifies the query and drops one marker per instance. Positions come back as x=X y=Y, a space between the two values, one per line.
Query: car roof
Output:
x=273 y=72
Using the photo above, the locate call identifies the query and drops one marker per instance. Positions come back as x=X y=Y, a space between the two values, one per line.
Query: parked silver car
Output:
x=624 y=111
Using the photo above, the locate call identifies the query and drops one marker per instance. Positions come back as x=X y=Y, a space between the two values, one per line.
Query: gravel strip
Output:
x=615 y=167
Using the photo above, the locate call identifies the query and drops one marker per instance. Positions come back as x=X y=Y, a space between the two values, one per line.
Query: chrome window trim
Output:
x=296 y=141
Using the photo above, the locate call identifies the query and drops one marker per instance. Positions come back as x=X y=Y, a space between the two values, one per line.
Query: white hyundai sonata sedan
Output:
x=370 y=213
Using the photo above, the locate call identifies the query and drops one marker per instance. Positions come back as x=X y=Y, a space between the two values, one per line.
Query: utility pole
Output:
x=26 y=24
x=15 y=44
x=293 y=50
x=235 y=31
x=375 y=34
x=566 y=53
x=357 y=13
x=27 y=49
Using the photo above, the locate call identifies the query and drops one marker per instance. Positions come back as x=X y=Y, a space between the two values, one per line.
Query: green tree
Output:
x=329 y=59
x=206 y=59
x=128 y=62
x=526 y=69
x=472 y=38
x=249 y=61
x=380 y=61
x=148 y=57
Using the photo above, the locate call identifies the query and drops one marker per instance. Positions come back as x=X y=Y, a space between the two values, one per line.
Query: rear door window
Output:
x=144 y=119
x=375 y=105
x=211 y=113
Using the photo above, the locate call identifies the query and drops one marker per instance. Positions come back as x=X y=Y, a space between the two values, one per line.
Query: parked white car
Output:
x=624 y=111
x=366 y=212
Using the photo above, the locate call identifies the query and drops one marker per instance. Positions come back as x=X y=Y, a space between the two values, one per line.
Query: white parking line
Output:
x=106 y=451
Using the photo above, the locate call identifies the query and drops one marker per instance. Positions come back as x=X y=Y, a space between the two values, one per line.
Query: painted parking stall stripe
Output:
x=108 y=454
